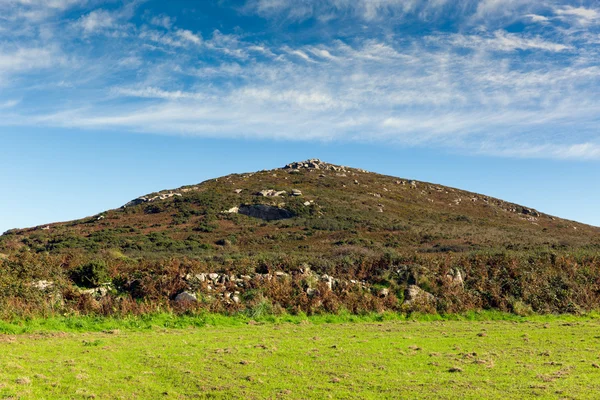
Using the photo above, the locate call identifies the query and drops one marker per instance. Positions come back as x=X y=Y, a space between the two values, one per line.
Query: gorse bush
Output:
x=91 y=275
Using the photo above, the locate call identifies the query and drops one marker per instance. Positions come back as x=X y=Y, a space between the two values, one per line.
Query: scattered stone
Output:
x=238 y=191
x=296 y=192
x=186 y=297
x=384 y=292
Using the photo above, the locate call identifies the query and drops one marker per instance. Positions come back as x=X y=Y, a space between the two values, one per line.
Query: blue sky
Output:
x=104 y=100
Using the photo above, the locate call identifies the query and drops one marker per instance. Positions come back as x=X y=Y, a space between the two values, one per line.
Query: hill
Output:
x=387 y=232
x=309 y=206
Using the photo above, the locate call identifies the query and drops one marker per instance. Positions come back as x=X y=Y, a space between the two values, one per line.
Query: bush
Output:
x=90 y=275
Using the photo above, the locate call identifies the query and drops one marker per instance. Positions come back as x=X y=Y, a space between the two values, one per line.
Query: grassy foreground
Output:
x=542 y=357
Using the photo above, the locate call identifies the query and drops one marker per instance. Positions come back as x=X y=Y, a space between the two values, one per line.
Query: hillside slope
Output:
x=309 y=207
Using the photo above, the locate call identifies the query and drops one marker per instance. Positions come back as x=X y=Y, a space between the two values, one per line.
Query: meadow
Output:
x=490 y=355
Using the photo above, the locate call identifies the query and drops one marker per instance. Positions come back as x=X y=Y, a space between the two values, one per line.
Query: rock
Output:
x=186 y=297
x=42 y=285
x=455 y=277
x=280 y=274
x=413 y=184
x=238 y=191
x=263 y=211
x=135 y=202
x=236 y=299
x=97 y=293
x=384 y=292
x=271 y=193
x=213 y=276
x=328 y=280
x=415 y=295
x=296 y=192
x=312 y=292
x=233 y=210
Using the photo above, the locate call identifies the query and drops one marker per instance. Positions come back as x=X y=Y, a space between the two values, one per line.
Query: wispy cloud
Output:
x=477 y=86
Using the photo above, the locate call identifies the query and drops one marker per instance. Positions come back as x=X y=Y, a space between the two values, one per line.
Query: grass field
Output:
x=538 y=357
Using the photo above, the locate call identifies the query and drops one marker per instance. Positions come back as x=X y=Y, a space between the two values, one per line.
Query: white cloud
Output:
x=579 y=151
x=156 y=93
x=163 y=21
x=24 y=59
x=9 y=104
x=537 y=18
x=503 y=41
x=580 y=15
x=97 y=20
x=35 y=11
x=188 y=36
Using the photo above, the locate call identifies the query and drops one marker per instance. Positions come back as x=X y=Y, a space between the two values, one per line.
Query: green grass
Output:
x=494 y=355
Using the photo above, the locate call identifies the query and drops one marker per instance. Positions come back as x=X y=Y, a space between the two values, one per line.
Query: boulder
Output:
x=271 y=193
x=455 y=277
x=263 y=211
x=414 y=295
x=186 y=297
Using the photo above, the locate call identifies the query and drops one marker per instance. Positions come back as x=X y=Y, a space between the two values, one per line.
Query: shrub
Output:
x=90 y=275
